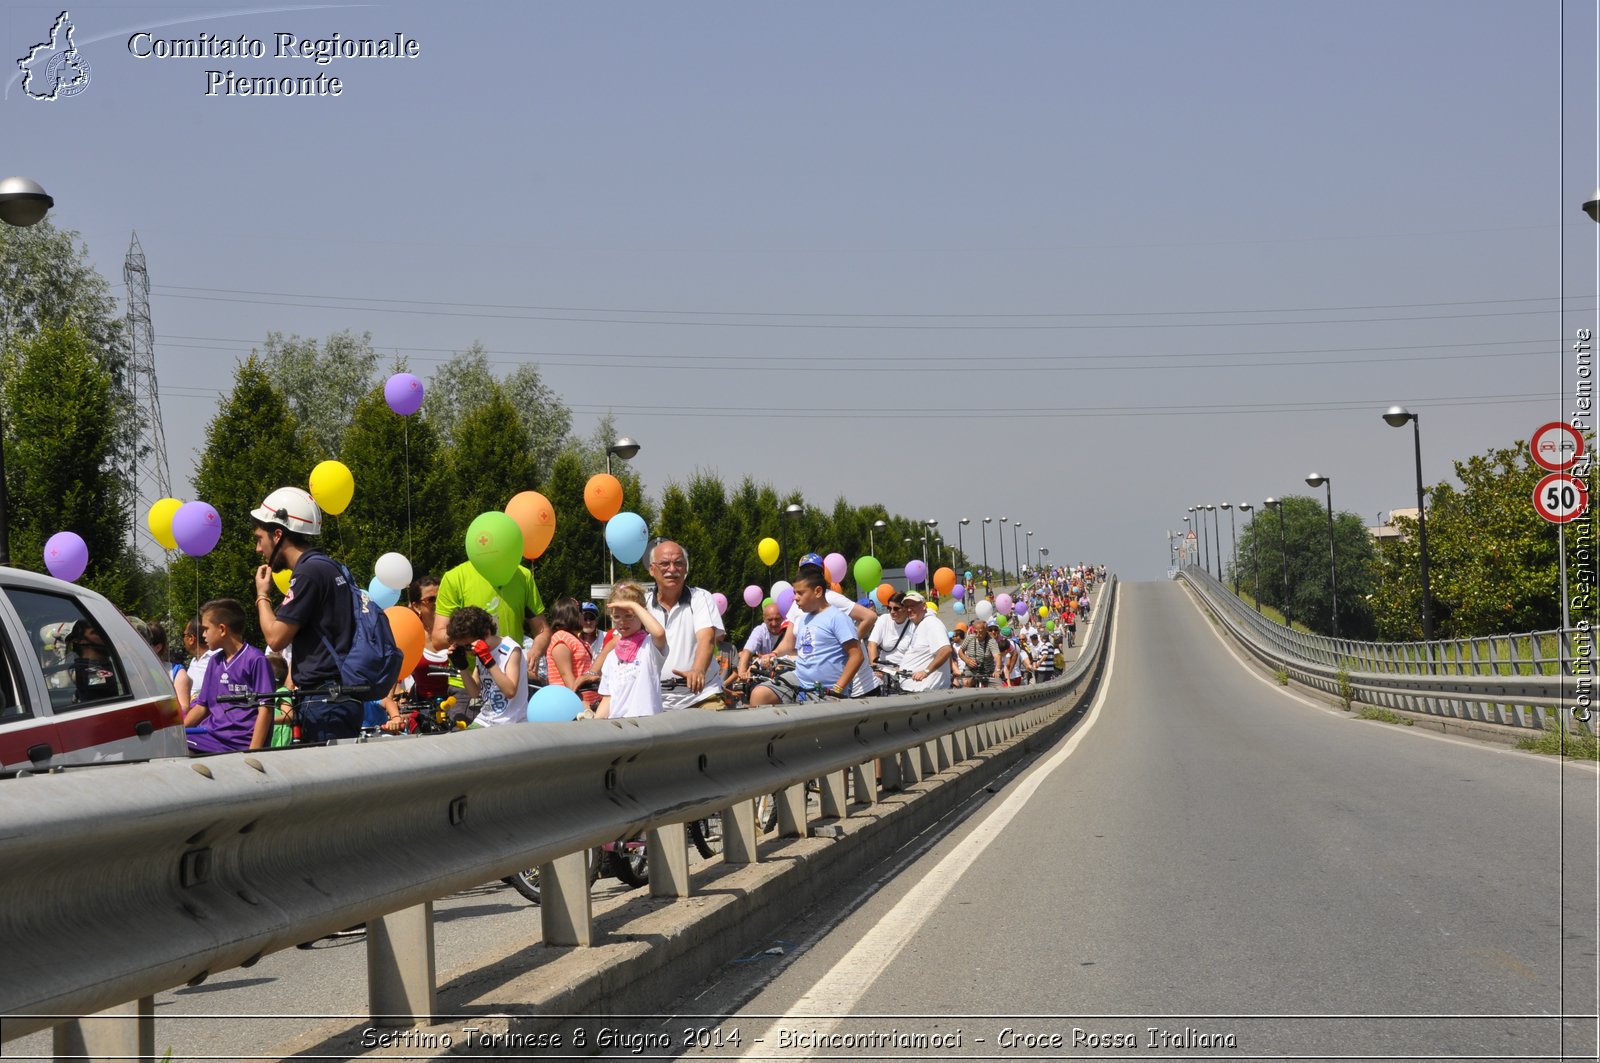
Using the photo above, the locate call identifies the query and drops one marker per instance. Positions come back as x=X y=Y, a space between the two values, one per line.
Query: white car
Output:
x=77 y=683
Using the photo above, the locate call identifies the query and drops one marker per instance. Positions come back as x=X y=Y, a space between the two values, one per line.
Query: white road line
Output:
x=836 y=994
x=1418 y=732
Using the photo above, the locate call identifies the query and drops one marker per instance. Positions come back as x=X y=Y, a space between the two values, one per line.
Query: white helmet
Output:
x=292 y=508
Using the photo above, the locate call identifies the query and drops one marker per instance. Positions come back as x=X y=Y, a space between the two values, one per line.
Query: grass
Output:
x=1282 y=676
x=1562 y=743
x=1272 y=614
x=1383 y=716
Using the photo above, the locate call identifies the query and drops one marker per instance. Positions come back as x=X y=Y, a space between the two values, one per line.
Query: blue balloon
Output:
x=626 y=534
x=553 y=704
x=960 y=608
x=385 y=596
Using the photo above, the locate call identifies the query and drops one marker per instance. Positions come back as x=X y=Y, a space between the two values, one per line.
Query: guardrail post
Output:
x=739 y=834
x=930 y=757
x=893 y=778
x=669 y=860
x=127 y=1031
x=946 y=749
x=565 y=914
x=400 y=967
x=833 y=804
x=863 y=782
x=960 y=742
x=792 y=811
x=911 y=766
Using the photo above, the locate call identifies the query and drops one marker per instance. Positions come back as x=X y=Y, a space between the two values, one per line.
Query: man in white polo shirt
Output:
x=694 y=627
x=928 y=657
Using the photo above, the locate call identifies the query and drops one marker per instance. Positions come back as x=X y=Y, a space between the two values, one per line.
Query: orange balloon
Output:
x=883 y=592
x=536 y=517
x=408 y=635
x=837 y=588
x=603 y=495
x=944 y=580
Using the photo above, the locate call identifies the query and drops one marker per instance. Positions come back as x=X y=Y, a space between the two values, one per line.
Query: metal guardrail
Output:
x=1467 y=679
x=126 y=880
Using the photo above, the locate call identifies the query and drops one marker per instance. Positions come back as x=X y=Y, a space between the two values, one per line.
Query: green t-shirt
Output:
x=509 y=604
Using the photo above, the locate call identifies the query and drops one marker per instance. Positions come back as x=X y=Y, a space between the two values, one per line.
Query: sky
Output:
x=1082 y=265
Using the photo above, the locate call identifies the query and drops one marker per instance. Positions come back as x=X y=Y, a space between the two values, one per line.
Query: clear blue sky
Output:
x=1080 y=264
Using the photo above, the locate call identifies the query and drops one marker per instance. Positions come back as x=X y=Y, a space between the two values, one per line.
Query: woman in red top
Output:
x=568 y=659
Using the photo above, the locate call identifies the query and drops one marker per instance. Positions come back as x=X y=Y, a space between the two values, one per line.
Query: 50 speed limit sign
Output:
x=1560 y=498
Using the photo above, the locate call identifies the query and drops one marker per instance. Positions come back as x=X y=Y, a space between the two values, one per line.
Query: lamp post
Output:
x=1255 y=555
x=1318 y=480
x=961 y=550
x=22 y=203
x=1184 y=552
x=1200 y=520
x=1283 y=548
x=872 y=543
x=624 y=448
x=1002 y=538
x=1233 y=537
x=928 y=576
x=986 y=521
x=1216 y=539
x=1030 y=548
x=1016 y=554
x=1396 y=417
x=792 y=512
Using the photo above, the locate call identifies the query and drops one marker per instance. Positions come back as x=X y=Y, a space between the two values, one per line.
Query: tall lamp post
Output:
x=1396 y=417
x=872 y=543
x=22 y=203
x=1216 y=539
x=1200 y=520
x=927 y=577
x=792 y=512
x=1016 y=554
x=986 y=521
x=1233 y=537
x=1030 y=548
x=1002 y=538
x=1255 y=556
x=1283 y=548
x=1187 y=528
x=1318 y=480
x=624 y=448
x=961 y=550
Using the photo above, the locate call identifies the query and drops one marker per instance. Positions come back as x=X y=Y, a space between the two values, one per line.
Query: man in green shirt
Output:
x=515 y=605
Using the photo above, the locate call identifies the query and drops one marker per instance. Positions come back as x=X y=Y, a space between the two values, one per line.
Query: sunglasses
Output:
x=430 y=601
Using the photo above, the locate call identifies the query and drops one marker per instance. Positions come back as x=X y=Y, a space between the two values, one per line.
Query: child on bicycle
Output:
x=630 y=677
x=501 y=677
x=215 y=726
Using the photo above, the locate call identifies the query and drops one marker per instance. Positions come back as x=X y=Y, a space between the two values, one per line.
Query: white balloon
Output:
x=985 y=609
x=393 y=570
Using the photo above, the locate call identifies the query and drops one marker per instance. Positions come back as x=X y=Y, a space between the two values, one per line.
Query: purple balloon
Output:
x=1021 y=609
x=66 y=555
x=753 y=596
x=721 y=600
x=958 y=592
x=403 y=393
x=196 y=527
x=916 y=571
x=783 y=595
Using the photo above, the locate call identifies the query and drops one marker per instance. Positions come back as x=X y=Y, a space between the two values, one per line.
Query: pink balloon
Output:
x=835 y=564
x=403 y=393
x=753 y=596
x=196 y=527
x=721 y=600
x=1002 y=602
x=916 y=571
x=66 y=555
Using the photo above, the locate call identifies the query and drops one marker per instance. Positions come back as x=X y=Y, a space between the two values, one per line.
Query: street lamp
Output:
x=1283 y=548
x=1016 y=554
x=22 y=203
x=624 y=448
x=960 y=548
x=1187 y=528
x=1255 y=556
x=1216 y=539
x=927 y=577
x=872 y=545
x=1591 y=206
x=1317 y=480
x=1200 y=520
x=1233 y=536
x=986 y=521
x=1030 y=547
x=1002 y=538
x=1396 y=417
x=792 y=512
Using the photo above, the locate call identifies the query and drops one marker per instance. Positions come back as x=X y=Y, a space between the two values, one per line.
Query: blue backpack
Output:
x=374 y=659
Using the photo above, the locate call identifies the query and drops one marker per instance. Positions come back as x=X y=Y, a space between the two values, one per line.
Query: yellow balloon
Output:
x=332 y=487
x=160 y=522
x=933 y=607
x=1044 y=610
x=282 y=580
x=767 y=550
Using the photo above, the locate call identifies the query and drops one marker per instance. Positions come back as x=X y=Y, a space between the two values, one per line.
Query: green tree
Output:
x=1303 y=535
x=46 y=280
x=466 y=382
x=487 y=463
x=318 y=381
x=253 y=446
x=62 y=469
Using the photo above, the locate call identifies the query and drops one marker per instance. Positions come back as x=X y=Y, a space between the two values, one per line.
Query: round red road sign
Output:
x=1556 y=446
x=1560 y=498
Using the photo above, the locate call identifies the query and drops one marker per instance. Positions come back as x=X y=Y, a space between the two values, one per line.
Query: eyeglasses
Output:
x=429 y=601
x=670 y=564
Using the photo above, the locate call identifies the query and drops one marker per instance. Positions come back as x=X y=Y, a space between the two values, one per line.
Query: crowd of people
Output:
x=490 y=647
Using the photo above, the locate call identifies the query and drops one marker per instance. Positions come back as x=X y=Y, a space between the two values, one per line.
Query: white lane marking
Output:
x=1419 y=732
x=834 y=996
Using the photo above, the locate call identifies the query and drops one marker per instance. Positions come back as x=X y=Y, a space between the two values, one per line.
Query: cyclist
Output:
x=928 y=656
x=693 y=626
x=981 y=651
x=316 y=616
x=763 y=640
x=892 y=634
x=828 y=643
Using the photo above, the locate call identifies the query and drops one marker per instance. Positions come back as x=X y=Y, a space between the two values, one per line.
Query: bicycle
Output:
x=297 y=697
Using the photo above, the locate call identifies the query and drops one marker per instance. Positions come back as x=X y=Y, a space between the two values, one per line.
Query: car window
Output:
x=80 y=665
x=11 y=705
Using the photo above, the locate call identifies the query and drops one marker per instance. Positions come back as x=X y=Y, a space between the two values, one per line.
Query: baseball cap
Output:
x=914 y=596
x=590 y=607
x=811 y=559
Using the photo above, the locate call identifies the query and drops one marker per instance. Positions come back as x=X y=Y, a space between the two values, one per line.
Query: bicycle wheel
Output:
x=526 y=881
x=706 y=834
x=630 y=864
x=766 y=813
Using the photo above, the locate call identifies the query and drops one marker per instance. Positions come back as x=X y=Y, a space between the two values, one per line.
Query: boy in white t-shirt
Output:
x=501 y=678
x=630 y=677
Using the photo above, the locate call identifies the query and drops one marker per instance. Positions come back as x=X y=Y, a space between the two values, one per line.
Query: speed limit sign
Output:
x=1560 y=498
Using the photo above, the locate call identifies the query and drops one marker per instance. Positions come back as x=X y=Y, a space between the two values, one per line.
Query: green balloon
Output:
x=1049 y=625
x=766 y=602
x=869 y=573
x=494 y=546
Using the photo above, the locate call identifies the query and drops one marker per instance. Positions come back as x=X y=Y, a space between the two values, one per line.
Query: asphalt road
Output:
x=1239 y=869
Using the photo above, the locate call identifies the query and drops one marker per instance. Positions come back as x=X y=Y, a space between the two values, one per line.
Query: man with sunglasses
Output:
x=693 y=626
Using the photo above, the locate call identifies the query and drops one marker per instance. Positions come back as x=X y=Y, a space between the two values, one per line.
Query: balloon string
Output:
x=405 y=427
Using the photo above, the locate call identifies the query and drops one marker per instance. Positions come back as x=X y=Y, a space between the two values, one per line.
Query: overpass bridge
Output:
x=1164 y=846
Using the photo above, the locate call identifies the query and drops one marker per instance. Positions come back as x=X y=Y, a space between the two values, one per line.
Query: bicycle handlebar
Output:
x=333 y=692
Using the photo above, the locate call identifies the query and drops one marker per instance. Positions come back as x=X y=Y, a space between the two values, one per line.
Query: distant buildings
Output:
x=1384 y=532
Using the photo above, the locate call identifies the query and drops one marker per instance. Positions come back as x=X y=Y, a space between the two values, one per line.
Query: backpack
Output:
x=374 y=659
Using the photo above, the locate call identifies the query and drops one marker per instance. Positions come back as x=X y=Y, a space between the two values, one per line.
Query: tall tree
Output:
x=487 y=463
x=465 y=382
x=62 y=469
x=319 y=380
x=400 y=501
x=46 y=280
x=253 y=446
x=1304 y=538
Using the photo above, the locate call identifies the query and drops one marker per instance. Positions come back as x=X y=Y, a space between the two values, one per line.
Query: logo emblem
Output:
x=55 y=68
